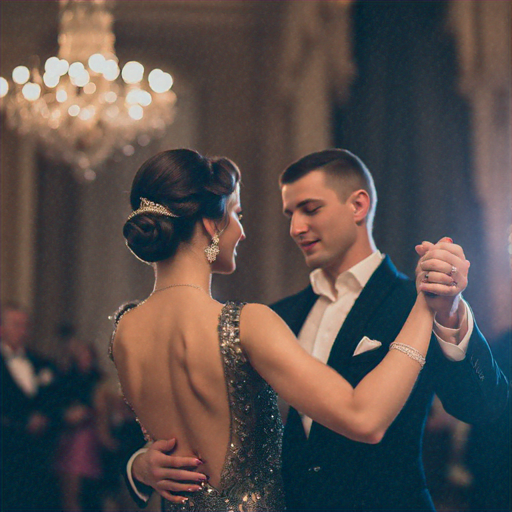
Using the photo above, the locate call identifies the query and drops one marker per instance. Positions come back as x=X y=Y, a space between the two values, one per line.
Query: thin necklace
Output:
x=175 y=286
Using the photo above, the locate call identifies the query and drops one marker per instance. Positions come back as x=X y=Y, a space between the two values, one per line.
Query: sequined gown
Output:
x=251 y=474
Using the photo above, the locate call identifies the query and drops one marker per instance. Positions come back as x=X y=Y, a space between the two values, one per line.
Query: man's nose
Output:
x=297 y=226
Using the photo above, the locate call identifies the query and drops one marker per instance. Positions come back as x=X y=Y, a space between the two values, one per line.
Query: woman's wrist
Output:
x=422 y=304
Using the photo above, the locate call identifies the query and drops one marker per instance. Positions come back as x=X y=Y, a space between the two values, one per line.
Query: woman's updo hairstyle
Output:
x=190 y=186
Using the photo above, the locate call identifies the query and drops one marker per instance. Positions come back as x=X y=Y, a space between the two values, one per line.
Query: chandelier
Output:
x=82 y=107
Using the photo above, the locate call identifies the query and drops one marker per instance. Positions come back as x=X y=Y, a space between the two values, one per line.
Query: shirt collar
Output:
x=355 y=278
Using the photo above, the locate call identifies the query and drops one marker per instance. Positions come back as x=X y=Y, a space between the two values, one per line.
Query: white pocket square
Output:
x=365 y=345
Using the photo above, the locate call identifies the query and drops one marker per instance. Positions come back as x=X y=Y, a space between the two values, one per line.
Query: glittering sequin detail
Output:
x=251 y=476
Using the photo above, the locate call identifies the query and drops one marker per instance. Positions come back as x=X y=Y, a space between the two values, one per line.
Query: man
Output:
x=354 y=308
x=27 y=433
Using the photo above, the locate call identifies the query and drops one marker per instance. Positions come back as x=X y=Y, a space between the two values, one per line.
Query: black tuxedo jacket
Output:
x=330 y=472
x=16 y=406
x=27 y=479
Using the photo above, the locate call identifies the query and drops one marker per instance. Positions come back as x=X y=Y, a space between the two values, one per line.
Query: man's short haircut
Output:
x=342 y=165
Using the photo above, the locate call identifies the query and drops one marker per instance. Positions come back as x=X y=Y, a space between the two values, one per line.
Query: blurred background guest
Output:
x=120 y=435
x=28 y=417
x=78 y=458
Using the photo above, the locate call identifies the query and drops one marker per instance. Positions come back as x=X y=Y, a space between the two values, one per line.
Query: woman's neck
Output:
x=187 y=267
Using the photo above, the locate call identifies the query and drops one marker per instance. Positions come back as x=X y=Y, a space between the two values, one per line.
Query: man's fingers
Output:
x=171 y=497
x=165 y=445
x=439 y=278
x=442 y=290
x=172 y=486
x=439 y=266
x=173 y=461
x=182 y=475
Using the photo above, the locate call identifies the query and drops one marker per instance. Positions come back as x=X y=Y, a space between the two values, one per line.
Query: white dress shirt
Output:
x=327 y=315
x=21 y=369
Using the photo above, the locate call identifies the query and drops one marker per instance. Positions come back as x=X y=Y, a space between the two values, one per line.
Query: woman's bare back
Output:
x=201 y=388
x=171 y=373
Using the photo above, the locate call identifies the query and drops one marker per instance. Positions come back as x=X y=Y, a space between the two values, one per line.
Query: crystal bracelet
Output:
x=409 y=351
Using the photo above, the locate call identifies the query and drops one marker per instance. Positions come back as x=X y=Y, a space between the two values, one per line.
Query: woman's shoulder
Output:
x=256 y=309
x=257 y=318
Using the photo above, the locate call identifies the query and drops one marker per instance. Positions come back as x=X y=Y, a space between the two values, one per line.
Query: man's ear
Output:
x=360 y=202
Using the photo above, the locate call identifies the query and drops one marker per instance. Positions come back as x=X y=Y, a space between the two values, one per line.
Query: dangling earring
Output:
x=213 y=250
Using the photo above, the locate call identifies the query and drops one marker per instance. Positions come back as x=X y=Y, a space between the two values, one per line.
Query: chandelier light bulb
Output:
x=61 y=95
x=111 y=71
x=31 y=91
x=132 y=97
x=89 y=175
x=112 y=111
x=159 y=81
x=144 y=98
x=63 y=67
x=136 y=112
x=53 y=66
x=20 y=75
x=129 y=150
x=82 y=79
x=90 y=88
x=138 y=96
x=51 y=80
x=4 y=87
x=87 y=113
x=97 y=63
x=132 y=72
x=110 y=97
x=74 y=110
x=143 y=140
x=76 y=69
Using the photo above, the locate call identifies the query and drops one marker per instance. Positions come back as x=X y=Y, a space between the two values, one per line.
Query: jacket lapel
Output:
x=383 y=280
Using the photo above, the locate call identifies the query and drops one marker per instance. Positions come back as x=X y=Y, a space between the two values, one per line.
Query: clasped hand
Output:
x=442 y=275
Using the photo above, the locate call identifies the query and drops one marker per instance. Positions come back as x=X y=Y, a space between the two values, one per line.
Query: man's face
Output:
x=320 y=223
x=15 y=328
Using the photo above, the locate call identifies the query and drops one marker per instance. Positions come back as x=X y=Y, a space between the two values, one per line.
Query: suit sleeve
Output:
x=474 y=390
x=139 y=492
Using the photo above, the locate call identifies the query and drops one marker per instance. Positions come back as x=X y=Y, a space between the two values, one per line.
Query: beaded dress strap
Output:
x=116 y=317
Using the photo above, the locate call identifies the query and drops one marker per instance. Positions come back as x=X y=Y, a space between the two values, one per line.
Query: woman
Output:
x=196 y=370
